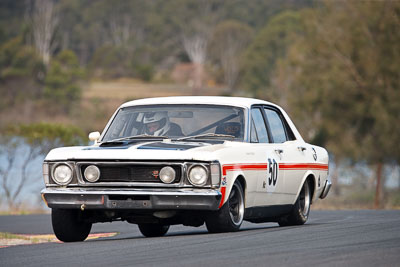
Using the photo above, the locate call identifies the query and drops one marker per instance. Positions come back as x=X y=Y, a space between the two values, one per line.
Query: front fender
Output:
x=227 y=183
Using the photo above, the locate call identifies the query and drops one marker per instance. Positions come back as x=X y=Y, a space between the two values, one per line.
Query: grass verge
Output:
x=9 y=239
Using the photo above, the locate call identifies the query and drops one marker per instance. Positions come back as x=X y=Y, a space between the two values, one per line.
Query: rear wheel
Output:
x=230 y=217
x=301 y=209
x=152 y=229
x=69 y=226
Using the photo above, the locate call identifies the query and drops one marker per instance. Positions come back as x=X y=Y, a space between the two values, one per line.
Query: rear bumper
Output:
x=134 y=199
x=326 y=189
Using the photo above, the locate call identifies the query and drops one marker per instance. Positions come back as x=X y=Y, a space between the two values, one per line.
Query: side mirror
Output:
x=94 y=136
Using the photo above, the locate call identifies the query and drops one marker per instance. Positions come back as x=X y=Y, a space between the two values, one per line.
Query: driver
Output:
x=232 y=129
x=158 y=124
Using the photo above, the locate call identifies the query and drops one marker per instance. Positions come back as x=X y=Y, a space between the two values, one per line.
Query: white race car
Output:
x=190 y=161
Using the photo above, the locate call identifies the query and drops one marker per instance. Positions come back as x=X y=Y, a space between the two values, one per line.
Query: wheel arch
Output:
x=311 y=178
x=240 y=178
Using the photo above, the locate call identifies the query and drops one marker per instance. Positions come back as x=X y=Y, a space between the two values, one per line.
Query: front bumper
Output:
x=134 y=199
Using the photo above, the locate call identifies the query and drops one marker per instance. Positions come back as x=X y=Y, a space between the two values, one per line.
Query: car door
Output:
x=291 y=153
x=269 y=180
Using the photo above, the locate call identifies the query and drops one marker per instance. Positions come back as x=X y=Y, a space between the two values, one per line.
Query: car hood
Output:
x=159 y=150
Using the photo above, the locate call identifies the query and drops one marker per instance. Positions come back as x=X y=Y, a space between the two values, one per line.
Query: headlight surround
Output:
x=167 y=174
x=215 y=174
x=92 y=173
x=62 y=174
x=45 y=168
x=198 y=175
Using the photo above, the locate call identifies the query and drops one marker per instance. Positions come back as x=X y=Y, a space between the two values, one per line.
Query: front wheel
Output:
x=230 y=217
x=299 y=214
x=69 y=226
x=153 y=230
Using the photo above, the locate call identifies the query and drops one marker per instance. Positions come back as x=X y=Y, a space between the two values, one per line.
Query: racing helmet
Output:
x=161 y=118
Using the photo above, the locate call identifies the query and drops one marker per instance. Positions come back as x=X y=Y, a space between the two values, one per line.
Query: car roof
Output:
x=243 y=102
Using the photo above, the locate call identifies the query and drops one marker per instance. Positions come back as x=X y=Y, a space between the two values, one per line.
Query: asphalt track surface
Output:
x=330 y=238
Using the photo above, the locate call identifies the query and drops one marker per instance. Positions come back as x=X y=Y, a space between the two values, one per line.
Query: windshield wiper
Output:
x=207 y=135
x=135 y=137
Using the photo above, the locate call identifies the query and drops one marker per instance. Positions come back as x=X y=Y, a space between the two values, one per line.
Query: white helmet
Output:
x=161 y=118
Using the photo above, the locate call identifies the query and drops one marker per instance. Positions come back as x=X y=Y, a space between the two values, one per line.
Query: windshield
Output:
x=177 y=121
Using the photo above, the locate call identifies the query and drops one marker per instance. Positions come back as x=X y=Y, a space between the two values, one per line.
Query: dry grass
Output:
x=8 y=239
x=353 y=197
x=125 y=89
x=25 y=211
x=102 y=98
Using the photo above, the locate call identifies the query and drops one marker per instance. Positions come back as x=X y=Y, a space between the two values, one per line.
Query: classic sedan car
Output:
x=190 y=161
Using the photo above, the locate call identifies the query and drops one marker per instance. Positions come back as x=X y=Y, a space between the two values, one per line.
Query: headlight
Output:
x=62 y=174
x=167 y=175
x=198 y=175
x=92 y=173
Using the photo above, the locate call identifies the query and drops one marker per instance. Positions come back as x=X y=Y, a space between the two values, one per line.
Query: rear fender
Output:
x=309 y=175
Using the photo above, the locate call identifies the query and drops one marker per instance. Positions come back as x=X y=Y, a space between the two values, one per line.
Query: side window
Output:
x=253 y=134
x=259 y=125
x=277 y=128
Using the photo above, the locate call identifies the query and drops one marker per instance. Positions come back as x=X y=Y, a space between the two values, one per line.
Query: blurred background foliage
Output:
x=23 y=147
x=332 y=65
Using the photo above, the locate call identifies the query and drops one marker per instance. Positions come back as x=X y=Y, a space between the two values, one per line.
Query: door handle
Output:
x=302 y=148
x=279 y=151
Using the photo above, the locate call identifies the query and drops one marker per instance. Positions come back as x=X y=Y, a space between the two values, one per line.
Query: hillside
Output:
x=126 y=89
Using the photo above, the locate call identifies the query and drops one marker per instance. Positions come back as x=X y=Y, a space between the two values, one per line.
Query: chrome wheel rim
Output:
x=305 y=199
x=236 y=205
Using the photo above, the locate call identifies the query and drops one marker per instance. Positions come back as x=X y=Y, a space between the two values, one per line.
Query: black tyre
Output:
x=230 y=217
x=301 y=209
x=153 y=230
x=68 y=225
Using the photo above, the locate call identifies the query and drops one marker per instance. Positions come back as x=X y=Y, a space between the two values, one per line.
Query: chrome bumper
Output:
x=136 y=199
x=326 y=189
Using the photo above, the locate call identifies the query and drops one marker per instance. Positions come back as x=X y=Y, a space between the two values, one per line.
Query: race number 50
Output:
x=272 y=172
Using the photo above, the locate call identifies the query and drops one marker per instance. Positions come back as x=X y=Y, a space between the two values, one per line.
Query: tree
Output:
x=197 y=32
x=110 y=62
x=11 y=23
x=22 y=147
x=229 y=42
x=44 y=23
x=344 y=71
x=62 y=80
x=268 y=46
x=125 y=23
x=21 y=73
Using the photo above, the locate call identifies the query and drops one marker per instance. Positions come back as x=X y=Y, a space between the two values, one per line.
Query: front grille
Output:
x=132 y=173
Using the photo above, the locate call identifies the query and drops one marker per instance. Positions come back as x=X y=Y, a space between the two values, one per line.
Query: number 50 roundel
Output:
x=272 y=175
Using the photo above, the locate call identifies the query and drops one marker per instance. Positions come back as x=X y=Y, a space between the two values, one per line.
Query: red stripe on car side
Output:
x=223 y=191
x=263 y=166
x=238 y=167
x=303 y=166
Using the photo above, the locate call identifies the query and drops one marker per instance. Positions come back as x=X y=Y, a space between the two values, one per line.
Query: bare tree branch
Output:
x=5 y=173
x=44 y=23
x=31 y=154
x=195 y=40
x=13 y=187
x=196 y=47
